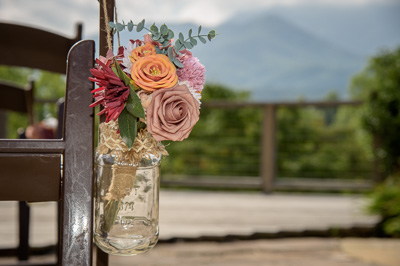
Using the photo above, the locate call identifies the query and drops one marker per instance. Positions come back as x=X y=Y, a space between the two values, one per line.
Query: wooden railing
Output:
x=268 y=166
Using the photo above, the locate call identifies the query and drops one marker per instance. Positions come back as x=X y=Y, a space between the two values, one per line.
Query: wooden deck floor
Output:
x=194 y=214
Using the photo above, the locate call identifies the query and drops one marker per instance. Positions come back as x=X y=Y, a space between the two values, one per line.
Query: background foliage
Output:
x=311 y=142
x=378 y=85
x=47 y=86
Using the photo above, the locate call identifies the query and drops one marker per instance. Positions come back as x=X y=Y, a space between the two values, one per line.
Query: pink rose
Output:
x=172 y=113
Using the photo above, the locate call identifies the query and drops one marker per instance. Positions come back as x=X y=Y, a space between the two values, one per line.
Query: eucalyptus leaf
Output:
x=190 y=33
x=110 y=214
x=171 y=34
x=158 y=50
x=177 y=63
x=202 y=39
x=165 y=43
x=170 y=54
x=130 y=26
x=188 y=45
x=181 y=38
x=140 y=26
x=120 y=27
x=178 y=43
x=127 y=127
x=212 y=33
x=164 y=29
x=154 y=28
x=209 y=37
x=111 y=24
x=178 y=53
x=156 y=36
x=193 y=41
x=198 y=32
x=134 y=105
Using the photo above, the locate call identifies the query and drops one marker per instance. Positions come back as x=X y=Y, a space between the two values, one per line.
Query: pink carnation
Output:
x=193 y=71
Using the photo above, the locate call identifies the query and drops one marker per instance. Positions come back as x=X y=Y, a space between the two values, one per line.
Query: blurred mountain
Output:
x=288 y=53
x=275 y=59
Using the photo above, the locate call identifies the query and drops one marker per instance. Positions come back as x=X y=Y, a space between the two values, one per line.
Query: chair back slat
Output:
x=40 y=175
x=34 y=48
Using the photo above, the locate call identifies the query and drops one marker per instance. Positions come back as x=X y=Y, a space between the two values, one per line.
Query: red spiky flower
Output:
x=112 y=92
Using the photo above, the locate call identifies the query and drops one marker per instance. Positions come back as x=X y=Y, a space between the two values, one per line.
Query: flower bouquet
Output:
x=150 y=92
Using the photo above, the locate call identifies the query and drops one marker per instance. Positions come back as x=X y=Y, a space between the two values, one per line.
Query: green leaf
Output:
x=156 y=36
x=111 y=25
x=134 y=105
x=121 y=74
x=198 y=33
x=127 y=127
x=177 y=63
x=130 y=26
x=171 y=34
x=154 y=28
x=120 y=27
x=140 y=26
x=170 y=54
x=165 y=43
x=202 y=39
x=181 y=38
x=164 y=29
x=212 y=33
x=188 y=45
x=110 y=214
x=193 y=41
x=178 y=43
x=190 y=33
x=158 y=50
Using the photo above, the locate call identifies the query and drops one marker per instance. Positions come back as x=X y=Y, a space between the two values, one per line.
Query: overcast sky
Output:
x=61 y=15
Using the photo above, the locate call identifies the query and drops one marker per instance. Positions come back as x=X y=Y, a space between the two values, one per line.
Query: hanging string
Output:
x=109 y=42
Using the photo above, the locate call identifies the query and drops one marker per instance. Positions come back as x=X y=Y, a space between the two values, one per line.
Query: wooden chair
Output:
x=32 y=48
x=60 y=170
x=19 y=99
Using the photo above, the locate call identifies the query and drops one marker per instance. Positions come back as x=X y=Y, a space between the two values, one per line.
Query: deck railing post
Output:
x=268 y=150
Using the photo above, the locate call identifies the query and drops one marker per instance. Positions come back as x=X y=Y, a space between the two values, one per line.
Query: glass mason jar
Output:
x=126 y=200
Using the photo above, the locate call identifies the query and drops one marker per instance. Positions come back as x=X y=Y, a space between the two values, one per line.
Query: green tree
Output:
x=378 y=85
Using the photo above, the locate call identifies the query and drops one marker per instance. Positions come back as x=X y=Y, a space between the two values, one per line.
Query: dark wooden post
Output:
x=102 y=258
x=268 y=151
x=110 y=4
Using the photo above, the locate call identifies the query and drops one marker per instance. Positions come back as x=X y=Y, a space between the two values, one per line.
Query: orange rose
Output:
x=142 y=51
x=154 y=72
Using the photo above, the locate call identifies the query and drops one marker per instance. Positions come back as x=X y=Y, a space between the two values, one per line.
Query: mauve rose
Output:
x=172 y=113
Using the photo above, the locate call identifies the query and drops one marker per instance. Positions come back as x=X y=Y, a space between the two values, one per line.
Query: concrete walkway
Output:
x=192 y=214
x=278 y=252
